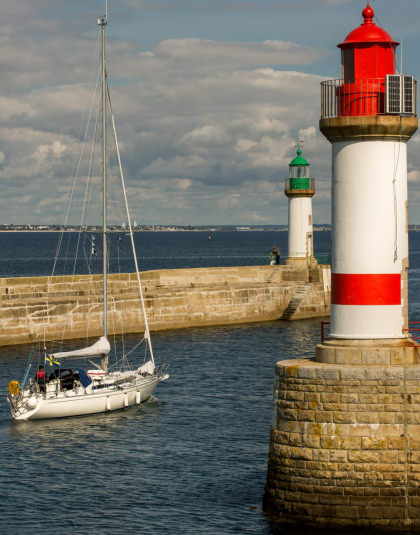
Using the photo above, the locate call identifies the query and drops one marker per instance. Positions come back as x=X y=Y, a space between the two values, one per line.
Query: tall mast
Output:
x=102 y=23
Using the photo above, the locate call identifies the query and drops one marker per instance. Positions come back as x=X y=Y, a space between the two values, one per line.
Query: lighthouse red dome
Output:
x=368 y=32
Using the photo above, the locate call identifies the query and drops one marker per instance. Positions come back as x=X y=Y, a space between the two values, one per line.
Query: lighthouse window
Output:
x=300 y=171
x=347 y=65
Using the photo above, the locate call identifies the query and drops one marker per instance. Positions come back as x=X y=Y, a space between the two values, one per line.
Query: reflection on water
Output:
x=85 y=430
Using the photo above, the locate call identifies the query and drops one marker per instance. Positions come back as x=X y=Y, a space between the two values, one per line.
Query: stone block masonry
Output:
x=345 y=445
x=66 y=307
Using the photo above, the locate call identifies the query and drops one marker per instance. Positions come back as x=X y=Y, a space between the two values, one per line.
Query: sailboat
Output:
x=76 y=392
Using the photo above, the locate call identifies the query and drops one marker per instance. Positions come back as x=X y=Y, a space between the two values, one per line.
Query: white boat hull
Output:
x=78 y=402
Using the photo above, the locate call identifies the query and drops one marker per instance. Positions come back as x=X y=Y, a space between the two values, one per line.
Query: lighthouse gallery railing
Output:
x=304 y=184
x=393 y=95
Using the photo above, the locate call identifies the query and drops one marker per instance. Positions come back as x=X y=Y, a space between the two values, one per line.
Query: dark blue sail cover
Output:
x=84 y=378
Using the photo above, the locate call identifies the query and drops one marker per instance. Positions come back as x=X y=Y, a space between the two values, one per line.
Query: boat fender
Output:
x=138 y=397
x=108 y=404
x=125 y=400
x=31 y=403
x=14 y=388
x=76 y=385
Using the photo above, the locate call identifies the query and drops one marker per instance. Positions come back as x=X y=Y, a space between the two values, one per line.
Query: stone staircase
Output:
x=295 y=302
x=274 y=272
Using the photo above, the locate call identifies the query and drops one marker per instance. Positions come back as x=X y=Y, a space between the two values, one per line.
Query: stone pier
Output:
x=69 y=307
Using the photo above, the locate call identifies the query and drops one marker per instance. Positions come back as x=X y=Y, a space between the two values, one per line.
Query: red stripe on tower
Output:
x=365 y=289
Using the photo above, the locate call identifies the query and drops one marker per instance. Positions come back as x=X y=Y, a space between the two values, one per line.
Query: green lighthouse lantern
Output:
x=299 y=181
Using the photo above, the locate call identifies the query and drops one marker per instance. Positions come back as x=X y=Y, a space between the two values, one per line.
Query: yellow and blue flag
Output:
x=51 y=360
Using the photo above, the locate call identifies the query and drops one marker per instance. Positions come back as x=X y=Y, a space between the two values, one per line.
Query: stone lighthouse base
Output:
x=345 y=443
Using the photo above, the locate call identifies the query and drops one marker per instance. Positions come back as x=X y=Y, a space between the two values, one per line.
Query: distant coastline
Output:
x=154 y=228
x=165 y=228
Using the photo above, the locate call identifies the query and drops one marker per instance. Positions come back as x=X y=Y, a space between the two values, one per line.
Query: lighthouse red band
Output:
x=366 y=289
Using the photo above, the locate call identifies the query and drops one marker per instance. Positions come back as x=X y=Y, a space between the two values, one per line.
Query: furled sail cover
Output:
x=148 y=367
x=101 y=347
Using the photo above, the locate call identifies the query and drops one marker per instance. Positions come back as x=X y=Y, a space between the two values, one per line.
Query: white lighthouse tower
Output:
x=368 y=116
x=300 y=189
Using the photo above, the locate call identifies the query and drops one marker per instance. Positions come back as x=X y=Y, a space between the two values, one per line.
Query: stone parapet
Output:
x=70 y=307
x=301 y=261
x=360 y=128
x=345 y=446
x=299 y=192
x=387 y=351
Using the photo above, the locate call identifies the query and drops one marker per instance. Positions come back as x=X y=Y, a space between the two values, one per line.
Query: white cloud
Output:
x=205 y=54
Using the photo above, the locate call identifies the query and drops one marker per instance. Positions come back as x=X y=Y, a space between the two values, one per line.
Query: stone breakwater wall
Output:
x=345 y=445
x=65 y=307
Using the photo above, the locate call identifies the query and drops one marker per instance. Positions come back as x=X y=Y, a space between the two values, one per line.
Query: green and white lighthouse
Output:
x=300 y=189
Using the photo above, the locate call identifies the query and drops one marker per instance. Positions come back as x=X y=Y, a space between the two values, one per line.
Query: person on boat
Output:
x=40 y=378
x=276 y=254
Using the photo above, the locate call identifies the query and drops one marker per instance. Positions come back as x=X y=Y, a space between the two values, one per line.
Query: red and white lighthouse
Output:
x=368 y=116
x=345 y=439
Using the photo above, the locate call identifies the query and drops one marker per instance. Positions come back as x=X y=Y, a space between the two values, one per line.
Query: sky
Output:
x=209 y=97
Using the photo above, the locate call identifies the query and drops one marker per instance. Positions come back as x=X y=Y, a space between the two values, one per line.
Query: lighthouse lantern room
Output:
x=369 y=83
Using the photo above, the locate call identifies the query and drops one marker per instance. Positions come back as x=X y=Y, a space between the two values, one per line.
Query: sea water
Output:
x=191 y=461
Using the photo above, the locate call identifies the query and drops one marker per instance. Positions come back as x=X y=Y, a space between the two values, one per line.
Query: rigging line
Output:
x=146 y=324
x=77 y=176
x=84 y=216
x=71 y=192
x=119 y=277
x=135 y=347
x=76 y=254
x=394 y=186
x=115 y=186
x=91 y=70
x=88 y=264
x=90 y=275
x=376 y=16
x=84 y=209
x=114 y=340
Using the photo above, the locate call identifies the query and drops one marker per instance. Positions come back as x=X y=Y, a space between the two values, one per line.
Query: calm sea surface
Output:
x=192 y=460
